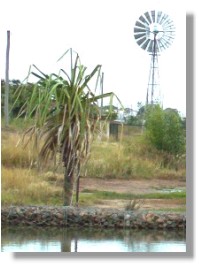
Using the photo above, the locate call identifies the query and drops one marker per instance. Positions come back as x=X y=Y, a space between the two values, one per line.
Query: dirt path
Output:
x=135 y=187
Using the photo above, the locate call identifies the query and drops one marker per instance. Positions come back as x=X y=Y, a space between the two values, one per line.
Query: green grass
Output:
x=128 y=196
x=180 y=209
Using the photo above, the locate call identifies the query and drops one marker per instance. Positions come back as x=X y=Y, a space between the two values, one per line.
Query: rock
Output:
x=127 y=217
x=87 y=217
x=149 y=217
x=160 y=220
x=59 y=216
x=114 y=216
x=127 y=223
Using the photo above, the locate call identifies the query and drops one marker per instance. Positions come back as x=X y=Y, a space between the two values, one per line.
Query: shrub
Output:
x=164 y=130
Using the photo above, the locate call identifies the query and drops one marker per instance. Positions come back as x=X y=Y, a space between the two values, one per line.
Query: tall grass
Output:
x=14 y=154
x=132 y=158
x=22 y=182
x=22 y=186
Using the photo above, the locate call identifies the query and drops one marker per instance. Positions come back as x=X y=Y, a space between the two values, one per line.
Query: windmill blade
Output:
x=143 y=20
x=165 y=43
x=153 y=16
x=139 y=35
x=139 y=30
x=138 y=24
x=167 y=24
x=141 y=41
x=162 y=48
x=145 y=44
x=159 y=16
x=164 y=18
x=148 y=17
x=161 y=45
x=170 y=37
x=150 y=46
x=158 y=49
x=168 y=40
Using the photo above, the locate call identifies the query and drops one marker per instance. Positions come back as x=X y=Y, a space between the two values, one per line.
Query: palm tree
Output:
x=65 y=113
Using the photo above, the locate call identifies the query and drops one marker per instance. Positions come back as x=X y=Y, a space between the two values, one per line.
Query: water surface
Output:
x=26 y=239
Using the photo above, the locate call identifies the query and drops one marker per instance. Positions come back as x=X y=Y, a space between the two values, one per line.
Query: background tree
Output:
x=18 y=95
x=164 y=129
x=136 y=120
x=109 y=112
x=65 y=114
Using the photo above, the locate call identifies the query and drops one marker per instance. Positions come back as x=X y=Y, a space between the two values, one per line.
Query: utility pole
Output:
x=6 y=102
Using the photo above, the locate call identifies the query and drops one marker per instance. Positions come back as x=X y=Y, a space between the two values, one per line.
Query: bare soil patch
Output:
x=135 y=187
x=145 y=204
x=129 y=186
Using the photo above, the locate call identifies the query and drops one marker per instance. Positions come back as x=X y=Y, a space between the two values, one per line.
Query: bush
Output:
x=164 y=129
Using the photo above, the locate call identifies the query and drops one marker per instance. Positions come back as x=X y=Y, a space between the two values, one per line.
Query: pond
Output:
x=29 y=239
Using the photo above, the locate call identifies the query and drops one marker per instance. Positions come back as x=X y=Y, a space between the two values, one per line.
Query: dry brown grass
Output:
x=131 y=159
x=23 y=184
x=14 y=154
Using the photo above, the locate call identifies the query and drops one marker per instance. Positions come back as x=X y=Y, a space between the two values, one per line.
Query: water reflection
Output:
x=39 y=239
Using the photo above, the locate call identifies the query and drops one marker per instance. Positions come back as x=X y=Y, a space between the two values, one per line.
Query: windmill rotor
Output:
x=154 y=26
x=154 y=32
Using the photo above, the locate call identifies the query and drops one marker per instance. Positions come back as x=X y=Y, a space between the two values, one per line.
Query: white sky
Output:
x=101 y=31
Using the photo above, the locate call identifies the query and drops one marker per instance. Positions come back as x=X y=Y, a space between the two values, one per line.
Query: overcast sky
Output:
x=102 y=32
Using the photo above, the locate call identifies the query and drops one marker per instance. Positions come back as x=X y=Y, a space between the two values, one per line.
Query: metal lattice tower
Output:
x=154 y=31
x=153 y=90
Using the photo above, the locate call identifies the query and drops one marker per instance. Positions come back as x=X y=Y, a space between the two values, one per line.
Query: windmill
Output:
x=154 y=32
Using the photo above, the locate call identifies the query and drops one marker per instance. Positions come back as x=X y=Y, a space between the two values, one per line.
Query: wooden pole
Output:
x=77 y=191
x=6 y=103
x=77 y=185
x=102 y=91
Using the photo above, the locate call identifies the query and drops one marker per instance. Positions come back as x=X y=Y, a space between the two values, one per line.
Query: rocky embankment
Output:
x=89 y=217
